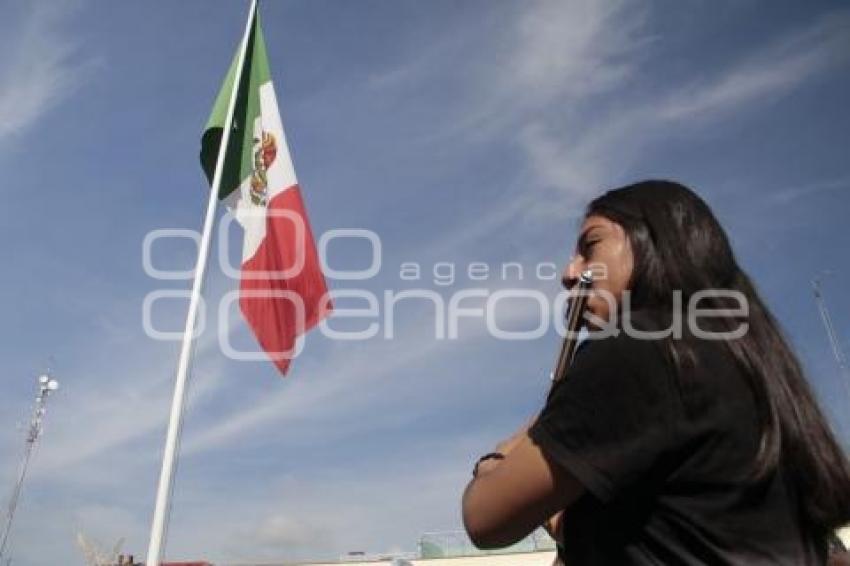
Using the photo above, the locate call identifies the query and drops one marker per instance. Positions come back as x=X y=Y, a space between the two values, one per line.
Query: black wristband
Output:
x=484 y=458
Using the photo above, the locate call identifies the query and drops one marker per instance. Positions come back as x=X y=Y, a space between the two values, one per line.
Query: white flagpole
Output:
x=175 y=420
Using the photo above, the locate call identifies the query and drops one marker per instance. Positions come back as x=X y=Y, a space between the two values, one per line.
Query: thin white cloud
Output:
x=560 y=56
x=580 y=155
x=536 y=84
x=774 y=70
x=279 y=530
x=786 y=195
x=566 y=51
x=40 y=68
x=549 y=90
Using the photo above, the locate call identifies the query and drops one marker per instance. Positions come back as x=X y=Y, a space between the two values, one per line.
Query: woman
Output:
x=669 y=442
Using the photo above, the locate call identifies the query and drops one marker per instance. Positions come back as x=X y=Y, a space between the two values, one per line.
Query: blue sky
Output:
x=458 y=132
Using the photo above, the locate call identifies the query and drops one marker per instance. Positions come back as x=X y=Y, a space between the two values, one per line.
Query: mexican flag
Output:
x=282 y=290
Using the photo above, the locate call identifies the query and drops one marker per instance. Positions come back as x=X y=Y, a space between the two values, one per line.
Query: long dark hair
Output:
x=678 y=244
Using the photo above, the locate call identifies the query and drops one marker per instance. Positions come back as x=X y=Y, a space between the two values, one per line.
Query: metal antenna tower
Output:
x=830 y=331
x=46 y=385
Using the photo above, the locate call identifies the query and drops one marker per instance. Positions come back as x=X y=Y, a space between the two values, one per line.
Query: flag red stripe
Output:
x=273 y=319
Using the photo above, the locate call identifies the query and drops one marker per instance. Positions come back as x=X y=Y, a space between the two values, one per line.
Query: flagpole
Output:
x=169 y=458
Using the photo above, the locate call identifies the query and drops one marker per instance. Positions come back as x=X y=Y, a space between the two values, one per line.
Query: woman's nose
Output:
x=572 y=271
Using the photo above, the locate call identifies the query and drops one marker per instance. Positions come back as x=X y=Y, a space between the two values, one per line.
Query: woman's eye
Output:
x=588 y=247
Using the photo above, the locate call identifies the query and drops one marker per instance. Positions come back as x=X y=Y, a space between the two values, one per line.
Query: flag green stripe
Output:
x=238 y=162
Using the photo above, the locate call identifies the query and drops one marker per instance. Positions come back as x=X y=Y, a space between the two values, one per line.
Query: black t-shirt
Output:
x=662 y=457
